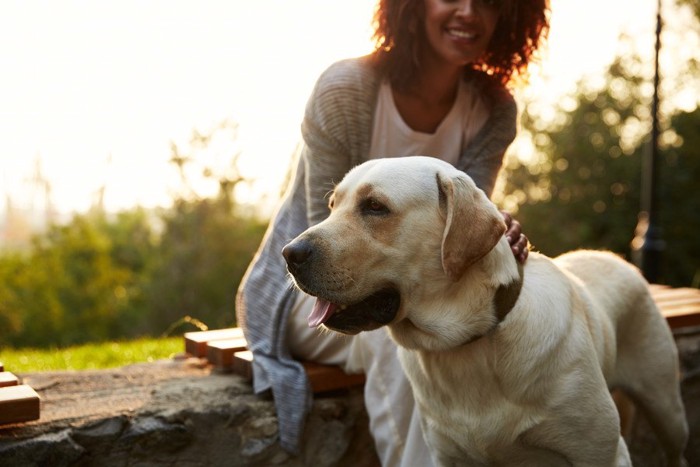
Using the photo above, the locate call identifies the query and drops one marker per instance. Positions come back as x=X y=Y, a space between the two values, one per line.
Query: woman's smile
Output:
x=459 y=32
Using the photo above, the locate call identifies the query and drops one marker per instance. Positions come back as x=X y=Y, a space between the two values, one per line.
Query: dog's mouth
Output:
x=377 y=310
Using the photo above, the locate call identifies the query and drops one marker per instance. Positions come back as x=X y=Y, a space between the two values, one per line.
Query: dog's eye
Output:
x=373 y=207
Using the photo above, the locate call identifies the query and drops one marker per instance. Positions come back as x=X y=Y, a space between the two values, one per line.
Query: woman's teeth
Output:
x=461 y=34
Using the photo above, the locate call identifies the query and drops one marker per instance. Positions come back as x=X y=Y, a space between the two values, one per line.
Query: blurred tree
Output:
x=133 y=249
x=106 y=276
x=584 y=178
x=680 y=198
x=75 y=284
x=693 y=5
x=203 y=253
x=579 y=186
x=207 y=242
x=11 y=321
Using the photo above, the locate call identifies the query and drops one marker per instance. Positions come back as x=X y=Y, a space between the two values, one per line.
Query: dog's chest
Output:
x=469 y=405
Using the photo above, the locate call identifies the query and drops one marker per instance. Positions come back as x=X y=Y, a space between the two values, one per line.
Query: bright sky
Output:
x=98 y=90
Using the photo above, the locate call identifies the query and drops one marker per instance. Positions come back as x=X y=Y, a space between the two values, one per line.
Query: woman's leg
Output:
x=393 y=414
x=314 y=344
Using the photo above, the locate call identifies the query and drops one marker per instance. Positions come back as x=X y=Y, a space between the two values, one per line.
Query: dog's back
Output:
x=616 y=297
x=614 y=284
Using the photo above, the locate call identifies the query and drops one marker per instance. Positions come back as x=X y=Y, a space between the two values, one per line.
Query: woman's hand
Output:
x=518 y=241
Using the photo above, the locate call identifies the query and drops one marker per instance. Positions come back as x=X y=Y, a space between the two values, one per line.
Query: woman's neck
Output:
x=425 y=103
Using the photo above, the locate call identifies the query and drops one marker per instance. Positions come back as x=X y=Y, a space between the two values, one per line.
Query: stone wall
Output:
x=176 y=414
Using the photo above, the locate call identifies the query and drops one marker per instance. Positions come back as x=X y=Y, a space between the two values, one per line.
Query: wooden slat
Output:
x=680 y=306
x=678 y=302
x=8 y=379
x=683 y=316
x=18 y=404
x=673 y=295
x=323 y=378
x=196 y=342
x=242 y=364
x=220 y=353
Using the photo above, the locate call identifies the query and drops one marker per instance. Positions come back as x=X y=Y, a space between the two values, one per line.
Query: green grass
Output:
x=90 y=356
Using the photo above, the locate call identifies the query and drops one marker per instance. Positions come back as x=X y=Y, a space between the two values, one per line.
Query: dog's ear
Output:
x=473 y=225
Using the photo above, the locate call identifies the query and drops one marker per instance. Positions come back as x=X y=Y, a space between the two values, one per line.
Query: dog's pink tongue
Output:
x=323 y=309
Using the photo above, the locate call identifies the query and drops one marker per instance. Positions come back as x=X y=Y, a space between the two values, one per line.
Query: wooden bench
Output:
x=226 y=349
x=18 y=402
x=680 y=306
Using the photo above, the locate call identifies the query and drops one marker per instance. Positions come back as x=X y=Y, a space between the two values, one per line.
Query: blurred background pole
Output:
x=648 y=246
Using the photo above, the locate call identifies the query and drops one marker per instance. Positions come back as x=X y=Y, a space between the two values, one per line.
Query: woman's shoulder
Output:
x=358 y=74
x=346 y=91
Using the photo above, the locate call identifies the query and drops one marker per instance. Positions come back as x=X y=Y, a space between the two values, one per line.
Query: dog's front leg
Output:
x=448 y=452
x=623 y=455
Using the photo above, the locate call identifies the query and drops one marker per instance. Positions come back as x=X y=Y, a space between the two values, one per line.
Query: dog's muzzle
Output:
x=371 y=312
x=297 y=254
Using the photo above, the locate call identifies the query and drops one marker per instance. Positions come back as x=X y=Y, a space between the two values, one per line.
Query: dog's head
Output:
x=401 y=231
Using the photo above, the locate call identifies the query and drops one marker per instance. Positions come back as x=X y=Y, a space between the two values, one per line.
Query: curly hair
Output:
x=399 y=34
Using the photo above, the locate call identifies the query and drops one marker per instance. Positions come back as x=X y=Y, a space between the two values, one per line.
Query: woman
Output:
x=435 y=85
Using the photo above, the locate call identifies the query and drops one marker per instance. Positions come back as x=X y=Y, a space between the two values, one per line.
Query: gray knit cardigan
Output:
x=336 y=130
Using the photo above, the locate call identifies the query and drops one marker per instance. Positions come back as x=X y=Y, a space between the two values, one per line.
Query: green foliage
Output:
x=680 y=202
x=584 y=189
x=203 y=253
x=206 y=245
x=77 y=282
x=102 y=277
x=587 y=185
x=109 y=354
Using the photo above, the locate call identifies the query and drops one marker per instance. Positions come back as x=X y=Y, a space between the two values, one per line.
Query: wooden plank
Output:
x=8 y=379
x=674 y=293
x=18 y=404
x=196 y=342
x=220 y=353
x=322 y=378
x=682 y=316
x=242 y=364
x=680 y=306
x=682 y=303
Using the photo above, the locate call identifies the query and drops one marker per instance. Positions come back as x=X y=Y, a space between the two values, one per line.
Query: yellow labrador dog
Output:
x=510 y=365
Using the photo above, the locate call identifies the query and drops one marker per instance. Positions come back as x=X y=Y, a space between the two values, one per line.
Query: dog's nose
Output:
x=297 y=252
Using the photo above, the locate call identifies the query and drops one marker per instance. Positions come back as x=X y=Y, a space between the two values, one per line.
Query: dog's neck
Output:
x=503 y=302
x=507 y=295
x=469 y=309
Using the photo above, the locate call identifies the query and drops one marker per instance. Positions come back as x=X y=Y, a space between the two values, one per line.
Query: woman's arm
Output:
x=337 y=129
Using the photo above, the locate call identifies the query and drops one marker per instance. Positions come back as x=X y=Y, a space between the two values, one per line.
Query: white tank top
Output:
x=392 y=137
